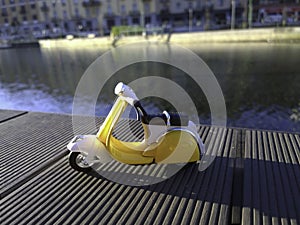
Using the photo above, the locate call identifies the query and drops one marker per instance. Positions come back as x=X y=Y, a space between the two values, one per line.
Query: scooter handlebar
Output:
x=126 y=92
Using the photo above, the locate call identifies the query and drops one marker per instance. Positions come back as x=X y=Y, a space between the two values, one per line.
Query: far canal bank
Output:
x=272 y=35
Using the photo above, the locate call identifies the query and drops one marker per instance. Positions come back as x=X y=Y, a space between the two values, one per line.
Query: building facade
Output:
x=56 y=18
x=18 y=17
x=128 y=13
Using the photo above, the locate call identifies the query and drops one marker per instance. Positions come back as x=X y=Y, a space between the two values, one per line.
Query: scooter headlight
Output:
x=120 y=88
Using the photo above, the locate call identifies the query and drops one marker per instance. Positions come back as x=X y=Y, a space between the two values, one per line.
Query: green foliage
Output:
x=126 y=30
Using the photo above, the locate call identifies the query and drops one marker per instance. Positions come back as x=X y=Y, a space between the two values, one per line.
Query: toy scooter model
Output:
x=176 y=141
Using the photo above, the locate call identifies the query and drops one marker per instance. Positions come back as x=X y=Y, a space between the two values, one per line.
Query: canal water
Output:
x=260 y=81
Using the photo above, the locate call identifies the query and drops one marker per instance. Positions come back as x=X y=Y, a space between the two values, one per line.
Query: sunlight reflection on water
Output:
x=33 y=99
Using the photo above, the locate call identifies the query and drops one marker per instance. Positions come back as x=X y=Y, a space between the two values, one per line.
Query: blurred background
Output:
x=46 y=46
x=24 y=19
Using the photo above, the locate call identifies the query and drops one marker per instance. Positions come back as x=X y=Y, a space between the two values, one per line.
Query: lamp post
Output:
x=142 y=19
x=190 y=19
x=232 y=14
x=142 y=16
x=250 y=9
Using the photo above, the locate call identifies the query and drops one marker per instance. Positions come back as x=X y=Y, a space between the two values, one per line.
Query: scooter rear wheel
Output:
x=77 y=162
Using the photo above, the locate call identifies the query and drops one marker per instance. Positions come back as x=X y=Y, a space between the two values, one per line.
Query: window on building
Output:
x=14 y=21
x=34 y=17
x=147 y=20
x=3 y=2
x=22 y=9
x=79 y=26
x=24 y=18
x=65 y=14
x=77 y=12
x=109 y=9
x=178 y=5
x=134 y=7
x=76 y=2
x=87 y=12
x=66 y=26
x=4 y=12
x=147 y=8
x=5 y=20
x=13 y=8
x=123 y=8
x=63 y=2
x=221 y=2
x=32 y=6
x=136 y=21
x=124 y=21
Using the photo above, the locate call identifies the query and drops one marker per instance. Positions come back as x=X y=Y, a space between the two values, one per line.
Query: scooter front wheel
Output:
x=78 y=162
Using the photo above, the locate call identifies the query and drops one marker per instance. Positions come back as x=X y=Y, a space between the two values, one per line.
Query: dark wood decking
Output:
x=271 y=178
x=254 y=179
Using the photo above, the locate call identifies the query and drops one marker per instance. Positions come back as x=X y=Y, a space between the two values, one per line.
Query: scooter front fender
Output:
x=73 y=144
x=90 y=145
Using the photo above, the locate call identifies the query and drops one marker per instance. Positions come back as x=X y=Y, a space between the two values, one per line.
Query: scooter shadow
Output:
x=137 y=175
x=182 y=180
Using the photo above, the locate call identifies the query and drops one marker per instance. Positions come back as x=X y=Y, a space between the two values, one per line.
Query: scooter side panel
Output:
x=177 y=147
x=128 y=152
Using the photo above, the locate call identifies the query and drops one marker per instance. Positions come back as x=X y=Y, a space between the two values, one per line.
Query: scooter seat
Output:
x=176 y=119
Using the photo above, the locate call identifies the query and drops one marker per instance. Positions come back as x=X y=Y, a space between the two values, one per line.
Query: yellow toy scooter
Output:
x=175 y=141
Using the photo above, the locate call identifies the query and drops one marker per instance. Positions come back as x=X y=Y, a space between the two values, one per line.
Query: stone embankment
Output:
x=285 y=35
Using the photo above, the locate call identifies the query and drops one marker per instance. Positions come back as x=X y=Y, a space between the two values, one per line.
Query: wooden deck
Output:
x=255 y=179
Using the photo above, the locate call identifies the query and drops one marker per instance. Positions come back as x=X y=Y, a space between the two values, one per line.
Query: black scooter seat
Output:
x=176 y=119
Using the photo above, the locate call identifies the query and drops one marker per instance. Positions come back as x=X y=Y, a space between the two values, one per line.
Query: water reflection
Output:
x=30 y=98
x=260 y=82
x=43 y=79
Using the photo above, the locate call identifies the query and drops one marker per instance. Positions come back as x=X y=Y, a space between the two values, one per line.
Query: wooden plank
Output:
x=279 y=191
x=45 y=190
x=6 y=115
x=227 y=191
x=271 y=189
x=289 y=213
x=294 y=146
x=247 y=196
x=289 y=178
x=212 y=173
x=256 y=176
x=270 y=171
x=30 y=142
x=263 y=185
x=174 y=193
x=63 y=196
x=217 y=188
x=237 y=188
x=185 y=216
x=202 y=188
x=88 y=195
